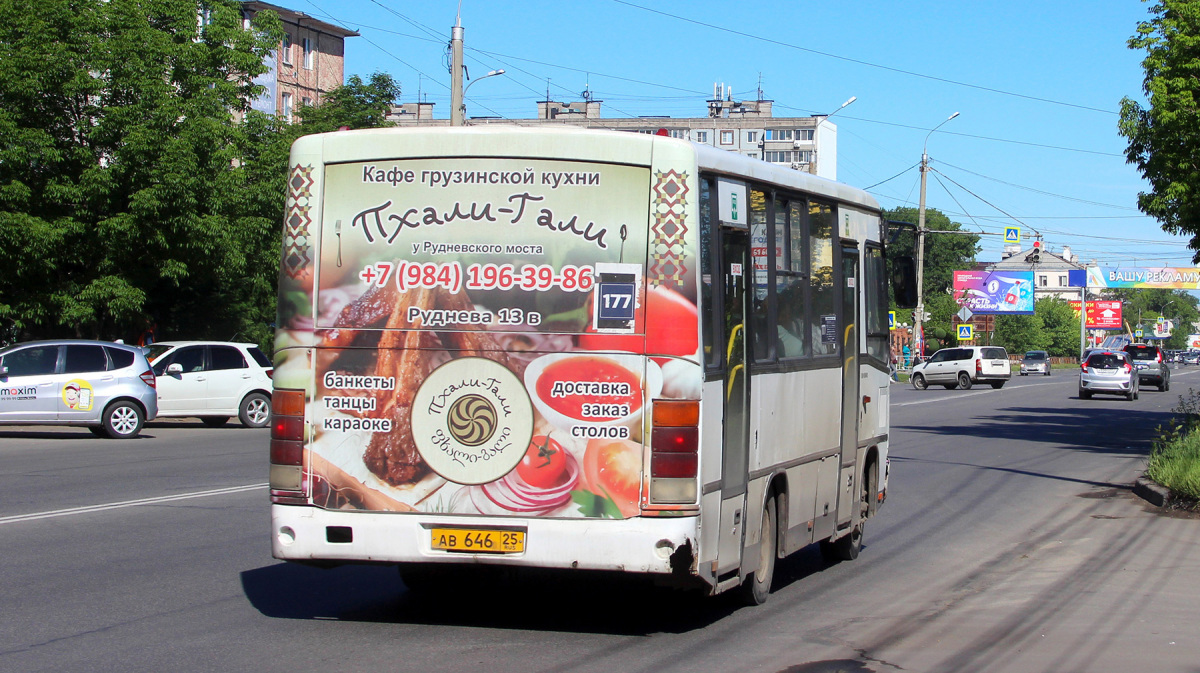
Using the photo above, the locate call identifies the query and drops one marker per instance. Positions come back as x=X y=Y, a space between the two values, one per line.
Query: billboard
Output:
x=1164 y=277
x=1101 y=314
x=1006 y=292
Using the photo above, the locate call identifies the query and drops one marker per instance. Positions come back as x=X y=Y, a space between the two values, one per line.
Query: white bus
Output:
x=574 y=349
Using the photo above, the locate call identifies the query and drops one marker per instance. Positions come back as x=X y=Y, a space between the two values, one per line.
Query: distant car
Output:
x=962 y=367
x=1150 y=364
x=1109 y=372
x=105 y=386
x=213 y=380
x=1191 y=358
x=1035 y=362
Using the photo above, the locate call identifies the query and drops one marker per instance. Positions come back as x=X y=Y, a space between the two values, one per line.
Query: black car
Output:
x=1151 y=366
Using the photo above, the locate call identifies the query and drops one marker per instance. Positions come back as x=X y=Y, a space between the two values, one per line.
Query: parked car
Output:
x=963 y=367
x=1151 y=365
x=107 y=387
x=1035 y=362
x=213 y=380
x=1109 y=372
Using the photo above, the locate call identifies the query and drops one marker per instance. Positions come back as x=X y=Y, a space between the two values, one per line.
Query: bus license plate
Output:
x=478 y=541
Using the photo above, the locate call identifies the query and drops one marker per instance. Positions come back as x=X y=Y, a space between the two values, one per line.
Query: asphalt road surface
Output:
x=1010 y=541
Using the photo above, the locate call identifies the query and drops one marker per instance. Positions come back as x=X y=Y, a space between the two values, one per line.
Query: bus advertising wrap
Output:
x=1007 y=292
x=481 y=330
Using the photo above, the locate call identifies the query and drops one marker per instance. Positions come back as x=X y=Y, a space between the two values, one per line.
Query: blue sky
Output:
x=1038 y=86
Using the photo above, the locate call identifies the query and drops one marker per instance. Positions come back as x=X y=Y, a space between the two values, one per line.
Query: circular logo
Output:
x=472 y=420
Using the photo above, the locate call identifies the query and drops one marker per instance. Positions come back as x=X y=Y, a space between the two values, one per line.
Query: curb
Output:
x=1153 y=493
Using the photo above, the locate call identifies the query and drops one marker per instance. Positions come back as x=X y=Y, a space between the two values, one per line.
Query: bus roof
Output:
x=609 y=146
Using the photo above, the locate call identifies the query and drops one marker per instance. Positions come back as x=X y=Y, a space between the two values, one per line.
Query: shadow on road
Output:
x=543 y=601
x=602 y=603
x=1104 y=426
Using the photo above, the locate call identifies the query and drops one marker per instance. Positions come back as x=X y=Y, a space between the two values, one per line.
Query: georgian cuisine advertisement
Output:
x=475 y=327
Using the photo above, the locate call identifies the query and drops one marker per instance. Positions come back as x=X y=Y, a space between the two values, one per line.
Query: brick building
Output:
x=309 y=63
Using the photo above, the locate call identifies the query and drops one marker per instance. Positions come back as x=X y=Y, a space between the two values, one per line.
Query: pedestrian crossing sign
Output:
x=965 y=332
x=1012 y=234
x=891 y=320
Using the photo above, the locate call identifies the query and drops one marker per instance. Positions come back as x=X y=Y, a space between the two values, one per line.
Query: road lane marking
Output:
x=128 y=503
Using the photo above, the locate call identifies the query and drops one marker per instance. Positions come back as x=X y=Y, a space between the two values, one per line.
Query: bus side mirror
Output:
x=904 y=282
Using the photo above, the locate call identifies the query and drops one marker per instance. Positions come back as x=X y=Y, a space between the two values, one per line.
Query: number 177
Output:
x=617 y=300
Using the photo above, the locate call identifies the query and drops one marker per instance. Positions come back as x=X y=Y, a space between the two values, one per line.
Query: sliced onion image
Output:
x=512 y=494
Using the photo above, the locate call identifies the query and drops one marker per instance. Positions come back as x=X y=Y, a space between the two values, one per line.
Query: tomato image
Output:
x=613 y=468
x=671 y=326
x=544 y=464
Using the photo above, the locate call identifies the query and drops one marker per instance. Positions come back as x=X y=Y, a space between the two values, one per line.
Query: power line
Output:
x=858 y=61
x=1039 y=191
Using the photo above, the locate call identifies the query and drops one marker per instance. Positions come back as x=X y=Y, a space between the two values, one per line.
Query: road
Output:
x=1009 y=542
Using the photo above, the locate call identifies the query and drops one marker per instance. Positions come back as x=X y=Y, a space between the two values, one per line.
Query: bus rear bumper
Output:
x=656 y=545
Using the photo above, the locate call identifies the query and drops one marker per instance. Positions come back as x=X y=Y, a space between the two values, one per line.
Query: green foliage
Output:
x=1163 y=141
x=1060 y=327
x=1021 y=333
x=1146 y=305
x=1175 y=459
x=944 y=253
x=136 y=184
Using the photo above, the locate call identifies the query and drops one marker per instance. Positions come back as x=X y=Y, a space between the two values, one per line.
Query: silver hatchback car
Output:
x=105 y=386
x=1109 y=372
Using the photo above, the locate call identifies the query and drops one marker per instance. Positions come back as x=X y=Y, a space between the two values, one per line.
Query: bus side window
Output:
x=824 y=308
x=712 y=354
x=789 y=280
x=760 y=258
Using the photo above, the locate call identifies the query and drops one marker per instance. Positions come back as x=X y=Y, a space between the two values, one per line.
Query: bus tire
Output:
x=918 y=382
x=757 y=587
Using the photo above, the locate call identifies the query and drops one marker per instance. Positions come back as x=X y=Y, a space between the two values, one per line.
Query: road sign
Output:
x=1161 y=320
x=1137 y=333
x=891 y=320
x=965 y=332
x=1012 y=234
x=965 y=314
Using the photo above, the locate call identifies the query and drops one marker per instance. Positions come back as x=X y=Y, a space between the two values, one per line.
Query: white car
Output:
x=212 y=380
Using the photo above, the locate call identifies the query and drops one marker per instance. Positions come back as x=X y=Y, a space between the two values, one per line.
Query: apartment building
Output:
x=309 y=63
x=806 y=144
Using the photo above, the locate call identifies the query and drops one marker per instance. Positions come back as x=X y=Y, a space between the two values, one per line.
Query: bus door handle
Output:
x=732 y=377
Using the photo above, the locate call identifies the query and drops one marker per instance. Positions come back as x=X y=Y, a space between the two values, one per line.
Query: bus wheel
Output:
x=758 y=586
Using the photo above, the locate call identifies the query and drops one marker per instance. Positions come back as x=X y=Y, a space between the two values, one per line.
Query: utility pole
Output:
x=456 y=71
x=919 y=314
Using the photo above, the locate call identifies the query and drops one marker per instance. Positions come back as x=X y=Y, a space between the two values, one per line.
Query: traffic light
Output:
x=1034 y=257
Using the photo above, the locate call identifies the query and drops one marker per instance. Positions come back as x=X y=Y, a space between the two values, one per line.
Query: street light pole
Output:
x=919 y=315
x=463 y=113
x=456 y=70
x=817 y=127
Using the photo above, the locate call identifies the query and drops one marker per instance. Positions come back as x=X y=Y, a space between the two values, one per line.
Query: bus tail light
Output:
x=287 y=448
x=674 y=451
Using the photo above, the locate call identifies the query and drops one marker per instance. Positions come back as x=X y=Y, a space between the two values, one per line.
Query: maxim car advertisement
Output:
x=1008 y=292
x=479 y=326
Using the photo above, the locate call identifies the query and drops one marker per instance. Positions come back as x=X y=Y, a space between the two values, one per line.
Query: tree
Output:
x=120 y=189
x=1163 y=141
x=944 y=254
x=1021 y=333
x=1060 y=327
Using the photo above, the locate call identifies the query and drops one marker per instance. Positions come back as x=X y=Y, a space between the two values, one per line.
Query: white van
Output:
x=963 y=367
